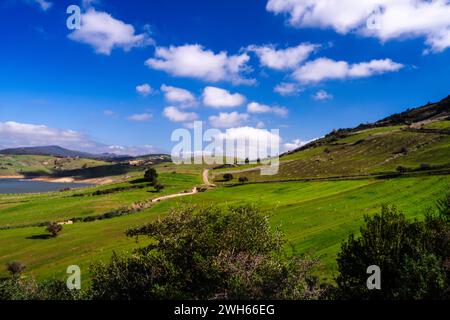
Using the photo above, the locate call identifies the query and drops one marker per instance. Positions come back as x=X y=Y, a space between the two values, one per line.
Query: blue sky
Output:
x=137 y=70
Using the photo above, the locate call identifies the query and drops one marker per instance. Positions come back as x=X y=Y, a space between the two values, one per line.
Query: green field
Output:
x=316 y=217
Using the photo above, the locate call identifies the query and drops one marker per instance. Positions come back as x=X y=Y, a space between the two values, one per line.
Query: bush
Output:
x=207 y=253
x=54 y=228
x=29 y=289
x=150 y=175
x=15 y=268
x=402 y=169
x=228 y=177
x=412 y=257
x=243 y=179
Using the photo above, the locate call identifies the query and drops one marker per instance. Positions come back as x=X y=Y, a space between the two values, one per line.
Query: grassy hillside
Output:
x=366 y=152
x=24 y=164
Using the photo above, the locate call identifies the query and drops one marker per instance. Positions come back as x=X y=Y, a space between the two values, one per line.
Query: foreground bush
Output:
x=414 y=257
x=207 y=253
x=29 y=289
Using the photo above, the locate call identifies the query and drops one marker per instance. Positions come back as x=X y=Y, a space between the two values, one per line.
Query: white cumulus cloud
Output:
x=140 y=117
x=179 y=96
x=14 y=134
x=195 y=61
x=144 y=89
x=325 y=69
x=228 y=120
x=104 y=33
x=176 y=115
x=221 y=98
x=383 y=19
x=255 y=107
x=322 y=95
x=283 y=59
x=287 y=89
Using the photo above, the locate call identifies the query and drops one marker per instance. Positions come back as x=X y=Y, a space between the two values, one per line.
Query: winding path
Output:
x=206 y=178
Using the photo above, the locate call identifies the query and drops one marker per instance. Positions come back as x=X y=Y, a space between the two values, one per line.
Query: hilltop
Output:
x=57 y=151
x=415 y=141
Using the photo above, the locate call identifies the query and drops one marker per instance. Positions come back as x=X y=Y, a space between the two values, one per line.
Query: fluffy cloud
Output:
x=228 y=120
x=254 y=138
x=178 y=95
x=283 y=59
x=322 y=95
x=325 y=69
x=295 y=144
x=144 y=89
x=45 y=5
x=176 y=115
x=383 y=19
x=220 y=98
x=194 y=61
x=14 y=134
x=287 y=89
x=254 y=107
x=104 y=33
x=140 y=117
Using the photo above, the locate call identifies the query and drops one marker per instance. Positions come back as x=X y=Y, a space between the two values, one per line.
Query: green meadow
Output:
x=315 y=216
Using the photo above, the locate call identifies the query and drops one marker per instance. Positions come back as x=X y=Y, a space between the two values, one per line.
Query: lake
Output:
x=29 y=186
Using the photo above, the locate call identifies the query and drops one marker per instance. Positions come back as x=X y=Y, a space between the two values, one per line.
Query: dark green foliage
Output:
x=158 y=187
x=243 y=179
x=150 y=175
x=206 y=253
x=227 y=177
x=247 y=160
x=412 y=256
x=29 y=289
x=54 y=228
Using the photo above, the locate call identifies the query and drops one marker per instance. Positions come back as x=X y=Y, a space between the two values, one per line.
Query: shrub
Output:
x=227 y=177
x=15 y=268
x=150 y=175
x=207 y=253
x=402 y=169
x=54 y=228
x=243 y=179
x=412 y=257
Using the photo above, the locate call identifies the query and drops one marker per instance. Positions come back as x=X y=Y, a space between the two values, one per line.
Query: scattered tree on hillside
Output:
x=227 y=177
x=54 y=229
x=158 y=187
x=247 y=160
x=15 y=268
x=150 y=175
x=243 y=179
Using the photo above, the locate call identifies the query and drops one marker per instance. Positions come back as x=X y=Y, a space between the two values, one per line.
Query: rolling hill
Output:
x=57 y=151
x=416 y=141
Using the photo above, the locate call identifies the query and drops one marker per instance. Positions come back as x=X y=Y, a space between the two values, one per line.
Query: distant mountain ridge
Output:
x=57 y=151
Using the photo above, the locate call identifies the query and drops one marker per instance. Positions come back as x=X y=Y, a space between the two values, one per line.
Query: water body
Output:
x=15 y=186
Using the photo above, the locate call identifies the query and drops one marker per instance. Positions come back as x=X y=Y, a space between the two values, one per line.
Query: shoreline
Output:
x=94 y=181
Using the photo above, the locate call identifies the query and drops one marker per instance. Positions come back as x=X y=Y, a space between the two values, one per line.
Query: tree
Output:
x=207 y=253
x=243 y=179
x=15 y=268
x=411 y=256
x=150 y=175
x=402 y=169
x=54 y=228
x=227 y=177
x=158 y=187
